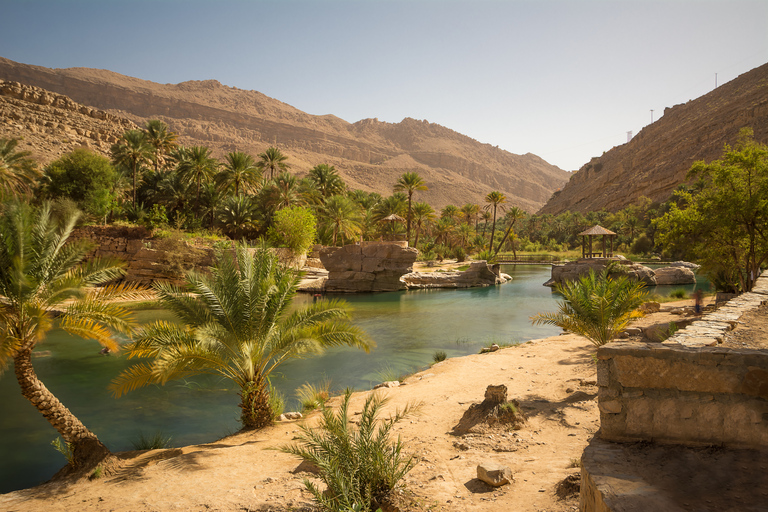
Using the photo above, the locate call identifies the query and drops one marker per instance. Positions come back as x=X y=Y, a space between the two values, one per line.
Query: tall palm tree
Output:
x=42 y=277
x=423 y=214
x=513 y=214
x=17 y=170
x=162 y=140
x=344 y=215
x=197 y=166
x=596 y=306
x=133 y=151
x=409 y=182
x=273 y=161
x=283 y=191
x=327 y=180
x=239 y=324
x=240 y=171
x=238 y=216
x=494 y=199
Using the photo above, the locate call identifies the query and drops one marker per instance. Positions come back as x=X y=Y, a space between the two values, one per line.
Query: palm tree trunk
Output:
x=254 y=403
x=87 y=449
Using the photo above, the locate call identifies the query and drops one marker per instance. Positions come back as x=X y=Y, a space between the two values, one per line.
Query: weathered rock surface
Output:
x=479 y=273
x=657 y=159
x=369 y=154
x=370 y=267
x=674 y=275
x=494 y=474
x=574 y=269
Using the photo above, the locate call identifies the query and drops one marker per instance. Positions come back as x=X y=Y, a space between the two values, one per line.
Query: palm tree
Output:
x=238 y=216
x=327 y=181
x=470 y=212
x=451 y=212
x=42 y=277
x=283 y=191
x=17 y=170
x=423 y=213
x=486 y=216
x=239 y=324
x=239 y=171
x=513 y=214
x=273 y=161
x=162 y=140
x=409 y=182
x=596 y=306
x=197 y=166
x=133 y=152
x=344 y=215
x=494 y=200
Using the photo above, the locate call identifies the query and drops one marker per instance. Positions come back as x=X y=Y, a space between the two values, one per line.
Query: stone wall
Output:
x=688 y=390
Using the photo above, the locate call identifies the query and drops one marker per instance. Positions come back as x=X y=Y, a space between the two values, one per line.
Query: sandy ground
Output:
x=553 y=379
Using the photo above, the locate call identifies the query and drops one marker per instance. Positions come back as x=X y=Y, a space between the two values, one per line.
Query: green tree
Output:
x=273 y=162
x=240 y=172
x=294 y=227
x=84 y=177
x=237 y=323
x=423 y=214
x=494 y=199
x=132 y=152
x=327 y=180
x=724 y=226
x=42 y=277
x=198 y=166
x=513 y=214
x=409 y=183
x=18 y=172
x=344 y=215
x=162 y=140
x=238 y=217
x=596 y=306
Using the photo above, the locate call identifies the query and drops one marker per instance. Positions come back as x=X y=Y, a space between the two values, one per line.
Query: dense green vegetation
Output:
x=156 y=183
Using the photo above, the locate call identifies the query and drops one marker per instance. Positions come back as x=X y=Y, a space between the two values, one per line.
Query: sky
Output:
x=562 y=79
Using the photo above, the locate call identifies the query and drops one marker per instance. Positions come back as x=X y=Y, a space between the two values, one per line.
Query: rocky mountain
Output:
x=369 y=154
x=657 y=159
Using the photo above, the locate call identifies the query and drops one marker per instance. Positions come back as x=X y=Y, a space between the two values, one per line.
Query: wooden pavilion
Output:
x=586 y=248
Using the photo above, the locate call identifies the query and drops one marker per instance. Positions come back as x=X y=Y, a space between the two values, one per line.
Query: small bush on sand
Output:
x=313 y=396
x=440 y=355
x=360 y=466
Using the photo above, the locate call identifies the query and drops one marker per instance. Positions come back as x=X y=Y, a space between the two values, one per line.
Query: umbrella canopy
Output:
x=394 y=217
x=597 y=230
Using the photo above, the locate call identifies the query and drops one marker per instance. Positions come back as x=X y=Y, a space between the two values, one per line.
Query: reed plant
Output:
x=313 y=396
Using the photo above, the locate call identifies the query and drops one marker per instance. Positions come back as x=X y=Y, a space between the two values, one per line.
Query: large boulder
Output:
x=479 y=273
x=574 y=269
x=675 y=275
x=370 y=267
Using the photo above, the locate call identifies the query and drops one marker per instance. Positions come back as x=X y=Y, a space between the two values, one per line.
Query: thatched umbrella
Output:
x=593 y=231
x=393 y=218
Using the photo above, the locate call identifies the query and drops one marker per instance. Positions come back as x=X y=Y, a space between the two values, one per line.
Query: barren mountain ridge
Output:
x=369 y=154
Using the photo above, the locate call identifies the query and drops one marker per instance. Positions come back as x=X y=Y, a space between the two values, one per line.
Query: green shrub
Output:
x=360 y=466
x=65 y=449
x=313 y=396
x=276 y=402
x=440 y=355
x=678 y=294
x=156 y=441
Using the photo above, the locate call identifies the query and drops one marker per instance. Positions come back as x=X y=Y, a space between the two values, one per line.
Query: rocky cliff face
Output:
x=657 y=159
x=370 y=267
x=369 y=154
x=51 y=124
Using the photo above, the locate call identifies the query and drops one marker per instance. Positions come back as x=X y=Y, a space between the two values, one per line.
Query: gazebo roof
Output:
x=394 y=217
x=597 y=230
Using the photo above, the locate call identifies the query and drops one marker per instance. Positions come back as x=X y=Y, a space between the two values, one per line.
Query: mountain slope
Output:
x=369 y=154
x=656 y=161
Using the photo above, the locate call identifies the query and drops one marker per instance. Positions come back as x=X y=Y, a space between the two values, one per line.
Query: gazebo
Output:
x=596 y=231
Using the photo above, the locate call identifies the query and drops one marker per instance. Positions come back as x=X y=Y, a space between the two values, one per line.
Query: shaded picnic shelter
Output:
x=392 y=219
x=586 y=242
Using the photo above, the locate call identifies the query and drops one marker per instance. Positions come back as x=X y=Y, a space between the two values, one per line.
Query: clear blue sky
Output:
x=565 y=80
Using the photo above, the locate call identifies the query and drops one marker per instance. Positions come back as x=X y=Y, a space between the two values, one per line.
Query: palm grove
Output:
x=239 y=326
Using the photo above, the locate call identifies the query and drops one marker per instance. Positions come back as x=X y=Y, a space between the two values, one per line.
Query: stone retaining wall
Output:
x=688 y=390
